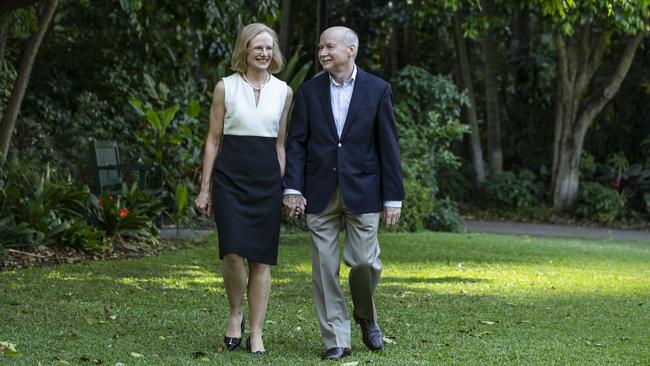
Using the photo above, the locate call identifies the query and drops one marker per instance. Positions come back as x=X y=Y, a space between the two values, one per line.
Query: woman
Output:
x=242 y=168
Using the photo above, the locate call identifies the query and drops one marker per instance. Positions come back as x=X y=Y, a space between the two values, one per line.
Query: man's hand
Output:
x=294 y=204
x=391 y=215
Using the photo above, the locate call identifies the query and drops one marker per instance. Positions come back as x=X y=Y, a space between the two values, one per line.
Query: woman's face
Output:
x=260 y=51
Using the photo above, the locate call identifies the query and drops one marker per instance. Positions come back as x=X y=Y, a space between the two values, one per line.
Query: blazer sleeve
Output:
x=294 y=174
x=392 y=184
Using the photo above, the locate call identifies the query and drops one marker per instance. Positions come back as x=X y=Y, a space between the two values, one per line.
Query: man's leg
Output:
x=361 y=253
x=331 y=308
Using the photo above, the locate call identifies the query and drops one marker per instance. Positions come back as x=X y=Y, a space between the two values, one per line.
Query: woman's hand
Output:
x=204 y=203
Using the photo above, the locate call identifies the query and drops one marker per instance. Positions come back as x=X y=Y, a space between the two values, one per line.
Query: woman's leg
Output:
x=234 y=280
x=259 y=288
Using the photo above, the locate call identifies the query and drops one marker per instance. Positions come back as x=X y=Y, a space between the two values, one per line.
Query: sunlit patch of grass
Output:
x=443 y=299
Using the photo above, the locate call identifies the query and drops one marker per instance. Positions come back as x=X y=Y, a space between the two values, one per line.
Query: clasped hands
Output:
x=294 y=205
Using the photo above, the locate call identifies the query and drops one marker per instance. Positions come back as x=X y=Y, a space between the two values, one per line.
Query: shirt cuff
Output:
x=291 y=191
x=390 y=203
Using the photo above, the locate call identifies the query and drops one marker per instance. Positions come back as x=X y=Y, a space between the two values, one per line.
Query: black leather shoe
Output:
x=248 y=347
x=231 y=342
x=336 y=353
x=372 y=337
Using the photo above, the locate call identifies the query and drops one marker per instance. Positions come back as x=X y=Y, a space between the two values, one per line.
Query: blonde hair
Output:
x=238 y=59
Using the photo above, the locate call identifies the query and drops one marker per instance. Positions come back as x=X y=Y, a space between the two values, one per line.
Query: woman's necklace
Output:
x=266 y=80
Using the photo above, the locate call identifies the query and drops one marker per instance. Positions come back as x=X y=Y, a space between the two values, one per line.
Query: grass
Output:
x=462 y=299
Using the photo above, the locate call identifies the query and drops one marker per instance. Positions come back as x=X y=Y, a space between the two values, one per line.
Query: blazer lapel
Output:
x=360 y=88
x=326 y=103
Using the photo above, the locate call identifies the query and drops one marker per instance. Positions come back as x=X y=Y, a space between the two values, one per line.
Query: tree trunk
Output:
x=285 y=29
x=495 y=155
x=466 y=77
x=4 y=34
x=321 y=25
x=22 y=79
x=579 y=57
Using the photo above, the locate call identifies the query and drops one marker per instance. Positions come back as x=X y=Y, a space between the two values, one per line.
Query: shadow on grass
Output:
x=392 y=280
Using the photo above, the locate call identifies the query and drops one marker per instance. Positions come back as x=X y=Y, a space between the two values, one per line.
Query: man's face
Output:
x=334 y=55
x=260 y=51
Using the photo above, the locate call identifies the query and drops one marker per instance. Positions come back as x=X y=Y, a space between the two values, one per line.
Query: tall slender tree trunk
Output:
x=495 y=154
x=24 y=71
x=466 y=77
x=579 y=57
x=285 y=29
x=321 y=25
x=4 y=34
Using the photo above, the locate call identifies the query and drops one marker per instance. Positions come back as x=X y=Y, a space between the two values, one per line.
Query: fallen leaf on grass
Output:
x=8 y=349
x=486 y=322
x=136 y=355
x=388 y=340
x=353 y=363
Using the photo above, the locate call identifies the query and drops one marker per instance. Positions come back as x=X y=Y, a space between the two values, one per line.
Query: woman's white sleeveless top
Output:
x=245 y=118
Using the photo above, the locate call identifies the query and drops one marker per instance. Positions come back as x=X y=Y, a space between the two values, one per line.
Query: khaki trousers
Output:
x=361 y=254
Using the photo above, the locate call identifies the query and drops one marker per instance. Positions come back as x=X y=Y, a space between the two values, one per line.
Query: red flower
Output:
x=123 y=212
x=110 y=198
x=101 y=201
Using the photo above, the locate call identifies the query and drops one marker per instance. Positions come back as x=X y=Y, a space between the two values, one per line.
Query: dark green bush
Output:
x=599 y=203
x=49 y=209
x=445 y=216
x=416 y=207
x=512 y=190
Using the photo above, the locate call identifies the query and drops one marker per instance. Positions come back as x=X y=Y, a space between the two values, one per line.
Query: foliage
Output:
x=417 y=207
x=516 y=190
x=45 y=209
x=130 y=214
x=292 y=76
x=180 y=214
x=445 y=216
x=599 y=203
x=427 y=109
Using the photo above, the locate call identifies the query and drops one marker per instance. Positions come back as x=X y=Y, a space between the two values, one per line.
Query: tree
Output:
x=22 y=79
x=491 y=64
x=583 y=32
x=467 y=83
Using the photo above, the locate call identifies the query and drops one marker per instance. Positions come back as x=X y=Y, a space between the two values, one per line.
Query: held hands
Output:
x=294 y=204
x=391 y=215
x=204 y=203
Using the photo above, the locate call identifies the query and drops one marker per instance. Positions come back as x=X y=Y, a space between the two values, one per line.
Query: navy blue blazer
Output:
x=365 y=161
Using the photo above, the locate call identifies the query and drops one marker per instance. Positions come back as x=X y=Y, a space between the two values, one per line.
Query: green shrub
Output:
x=131 y=214
x=44 y=209
x=416 y=207
x=599 y=203
x=513 y=190
x=445 y=217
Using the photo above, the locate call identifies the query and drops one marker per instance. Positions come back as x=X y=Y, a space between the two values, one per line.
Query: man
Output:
x=343 y=165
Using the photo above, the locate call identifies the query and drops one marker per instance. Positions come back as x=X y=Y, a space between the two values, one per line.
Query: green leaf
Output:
x=150 y=87
x=193 y=108
x=300 y=76
x=154 y=120
x=168 y=115
x=181 y=198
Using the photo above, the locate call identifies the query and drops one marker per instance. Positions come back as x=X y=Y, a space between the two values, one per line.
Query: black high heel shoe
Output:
x=248 y=347
x=231 y=342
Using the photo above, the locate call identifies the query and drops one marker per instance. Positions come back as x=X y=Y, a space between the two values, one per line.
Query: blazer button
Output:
x=333 y=169
x=340 y=144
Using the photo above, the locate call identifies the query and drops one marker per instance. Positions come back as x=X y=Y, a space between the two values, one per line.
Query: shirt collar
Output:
x=346 y=82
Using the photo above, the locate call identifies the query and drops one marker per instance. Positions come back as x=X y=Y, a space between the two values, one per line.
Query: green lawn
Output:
x=444 y=299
